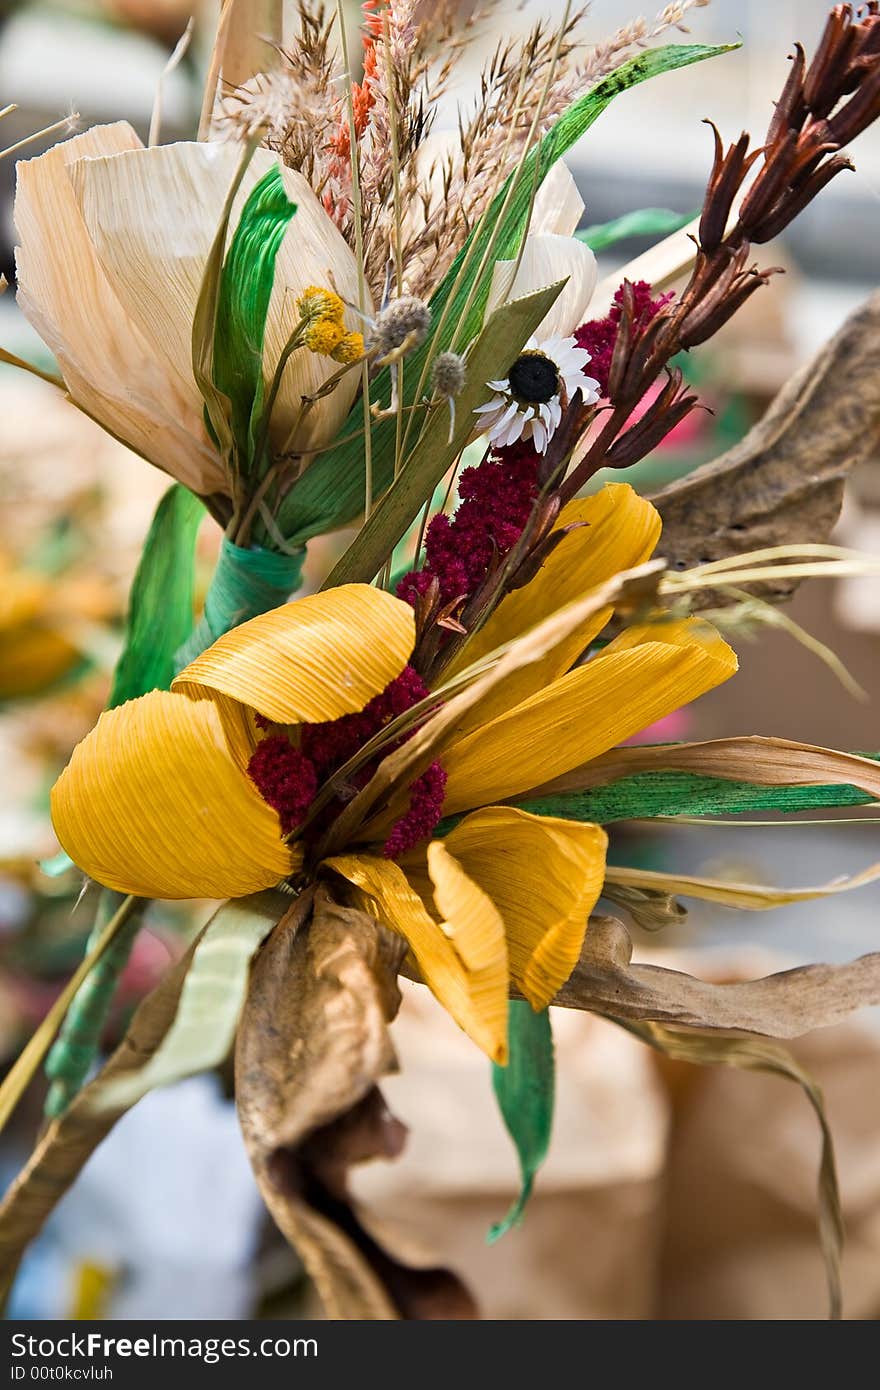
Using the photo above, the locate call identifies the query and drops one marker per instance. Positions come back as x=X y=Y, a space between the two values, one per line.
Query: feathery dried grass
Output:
x=301 y=109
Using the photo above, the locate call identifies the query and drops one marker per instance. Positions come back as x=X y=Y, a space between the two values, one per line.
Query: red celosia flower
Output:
x=496 y=501
x=599 y=335
x=425 y=810
x=285 y=778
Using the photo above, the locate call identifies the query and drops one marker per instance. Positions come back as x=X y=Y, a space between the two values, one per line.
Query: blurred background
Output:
x=667 y=1194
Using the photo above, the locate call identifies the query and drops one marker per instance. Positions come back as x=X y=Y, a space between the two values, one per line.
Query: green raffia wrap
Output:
x=71 y=1058
x=245 y=584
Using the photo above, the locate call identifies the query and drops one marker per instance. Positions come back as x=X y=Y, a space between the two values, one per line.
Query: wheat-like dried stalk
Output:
x=301 y=109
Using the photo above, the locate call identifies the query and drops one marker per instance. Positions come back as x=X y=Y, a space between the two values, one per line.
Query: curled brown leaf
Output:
x=312 y=1044
x=783 y=483
x=784 y=1005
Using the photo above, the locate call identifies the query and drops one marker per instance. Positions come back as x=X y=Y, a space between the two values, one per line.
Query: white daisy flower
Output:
x=528 y=403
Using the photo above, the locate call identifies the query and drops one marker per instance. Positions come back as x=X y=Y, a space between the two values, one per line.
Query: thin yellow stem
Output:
x=65 y=124
x=177 y=57
x=517 y=175
x=684 y=583
x=357 y=215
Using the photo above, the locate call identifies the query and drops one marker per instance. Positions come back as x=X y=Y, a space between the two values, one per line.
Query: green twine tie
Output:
x=245 y=584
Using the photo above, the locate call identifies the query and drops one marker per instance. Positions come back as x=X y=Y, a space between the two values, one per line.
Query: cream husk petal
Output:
x=153 y=214
x=111 y=370
x=558 y=204
x=545 y=260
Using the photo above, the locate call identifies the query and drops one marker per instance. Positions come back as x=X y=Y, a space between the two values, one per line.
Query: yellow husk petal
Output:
x=139 y=211
x=315 y=659
x=544 y=875
x=112 y=371
x=579 y=716
x=621 y=532
x=462 y=957
x=152 y=803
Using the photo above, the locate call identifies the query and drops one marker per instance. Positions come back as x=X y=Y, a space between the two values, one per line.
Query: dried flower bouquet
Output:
x=305 y=317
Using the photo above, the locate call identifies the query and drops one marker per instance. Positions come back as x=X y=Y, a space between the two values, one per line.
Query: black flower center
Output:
x=534 y=378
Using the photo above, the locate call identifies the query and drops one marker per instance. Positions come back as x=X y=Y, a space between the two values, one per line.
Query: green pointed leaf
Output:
x=645 y=222
x=211 y=1000
x=160 y=609
x=218 y=407
x=525 y=1092
x=245 y=290
x=331 y=491
x=506 y=331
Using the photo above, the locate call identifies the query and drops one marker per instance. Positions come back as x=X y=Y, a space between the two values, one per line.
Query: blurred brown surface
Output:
x=669 y=1193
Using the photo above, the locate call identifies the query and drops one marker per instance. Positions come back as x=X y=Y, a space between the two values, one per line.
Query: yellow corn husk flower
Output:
x=117 y=307
x=156 y=800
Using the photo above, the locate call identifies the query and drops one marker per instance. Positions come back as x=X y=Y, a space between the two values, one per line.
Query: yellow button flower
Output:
x=156 y=801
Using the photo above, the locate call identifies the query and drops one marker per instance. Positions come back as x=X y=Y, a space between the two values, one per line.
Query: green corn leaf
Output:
x=160 y=618
x=203 y=1030
x=525 y=1092
x=651 y=794
x=245 y=290
x=645 y=222
x=218 y=407
x=507 y=329
x=160 y=610
x=331 y=491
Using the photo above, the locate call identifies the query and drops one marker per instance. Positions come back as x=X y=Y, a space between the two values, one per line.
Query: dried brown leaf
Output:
x=753 y=897
x=783 y=483
x=771 y=762
x=70 y=1140
x=312 y=1044
x=784 y=1005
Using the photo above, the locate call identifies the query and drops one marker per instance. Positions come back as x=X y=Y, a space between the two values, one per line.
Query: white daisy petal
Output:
x=516 y=429
x=496 y=403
